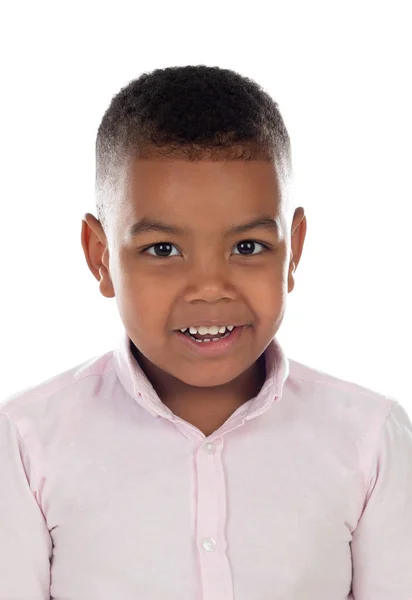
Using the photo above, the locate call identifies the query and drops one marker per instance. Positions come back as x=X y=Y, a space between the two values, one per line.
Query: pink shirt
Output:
x=305 y=493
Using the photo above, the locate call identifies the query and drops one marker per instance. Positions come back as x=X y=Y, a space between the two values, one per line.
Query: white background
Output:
x=341 y=73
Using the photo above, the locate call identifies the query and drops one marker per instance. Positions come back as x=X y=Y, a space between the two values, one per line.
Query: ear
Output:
x=298 y=235
x=96 y=252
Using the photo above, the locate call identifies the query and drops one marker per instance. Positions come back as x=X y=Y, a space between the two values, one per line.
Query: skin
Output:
x=205 y=275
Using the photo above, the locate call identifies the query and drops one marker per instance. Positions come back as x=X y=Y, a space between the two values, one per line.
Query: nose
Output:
x=210 y=281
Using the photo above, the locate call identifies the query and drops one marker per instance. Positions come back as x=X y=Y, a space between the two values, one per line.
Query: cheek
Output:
x=143 y=301
x=266 y=288
x=267 y=293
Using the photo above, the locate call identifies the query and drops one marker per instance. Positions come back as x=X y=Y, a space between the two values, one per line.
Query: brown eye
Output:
x=248 y=246
x=162 y=249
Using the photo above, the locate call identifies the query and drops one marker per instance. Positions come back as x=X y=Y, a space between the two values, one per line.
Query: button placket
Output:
x=216 y=578
x=207 y=498
x=208 y=517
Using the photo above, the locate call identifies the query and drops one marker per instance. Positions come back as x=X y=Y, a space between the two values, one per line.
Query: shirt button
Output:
x=209 y=448
x=209 y=544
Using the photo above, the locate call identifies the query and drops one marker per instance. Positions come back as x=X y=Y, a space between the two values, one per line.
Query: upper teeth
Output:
x=212 y=330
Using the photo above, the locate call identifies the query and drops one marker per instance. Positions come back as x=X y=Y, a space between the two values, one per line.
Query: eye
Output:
x=248 y=246
x=163 y=248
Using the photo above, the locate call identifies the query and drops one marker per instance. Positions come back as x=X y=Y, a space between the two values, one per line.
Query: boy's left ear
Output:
x=298 y=235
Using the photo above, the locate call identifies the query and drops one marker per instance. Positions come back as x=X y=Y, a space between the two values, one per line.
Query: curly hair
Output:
x=191 y=113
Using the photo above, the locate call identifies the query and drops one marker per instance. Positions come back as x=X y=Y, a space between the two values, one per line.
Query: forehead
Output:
x=196 y=193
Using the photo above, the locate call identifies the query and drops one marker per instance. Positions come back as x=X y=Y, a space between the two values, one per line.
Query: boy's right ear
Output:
x=95 y=249
x=88 y=238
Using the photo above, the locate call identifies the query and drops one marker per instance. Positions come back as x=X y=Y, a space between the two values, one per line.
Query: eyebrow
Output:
x=146 y=225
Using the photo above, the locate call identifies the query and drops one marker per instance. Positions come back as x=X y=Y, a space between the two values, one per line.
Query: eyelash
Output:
x=265 y=246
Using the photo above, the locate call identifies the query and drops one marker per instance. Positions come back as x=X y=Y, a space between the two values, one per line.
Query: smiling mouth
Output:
x=208 y=337
x=210 y=345
x=208 y=333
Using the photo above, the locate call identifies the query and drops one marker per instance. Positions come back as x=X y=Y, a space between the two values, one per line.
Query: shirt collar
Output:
x=139 y=387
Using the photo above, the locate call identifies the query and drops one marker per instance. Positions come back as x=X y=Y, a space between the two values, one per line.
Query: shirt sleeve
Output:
x=25 y=543
x=382 y=541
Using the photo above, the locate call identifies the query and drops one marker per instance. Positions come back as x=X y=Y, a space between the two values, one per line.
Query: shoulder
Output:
x=351 y=420
x=339 y=400
x=33 y=406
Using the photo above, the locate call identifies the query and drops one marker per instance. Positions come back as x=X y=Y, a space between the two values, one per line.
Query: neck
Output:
x=207 y=408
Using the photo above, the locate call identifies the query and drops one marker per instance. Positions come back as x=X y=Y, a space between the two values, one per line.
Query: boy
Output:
x=196 y=461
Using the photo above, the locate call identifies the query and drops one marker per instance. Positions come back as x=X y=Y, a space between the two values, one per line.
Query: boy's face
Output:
x=164 y=282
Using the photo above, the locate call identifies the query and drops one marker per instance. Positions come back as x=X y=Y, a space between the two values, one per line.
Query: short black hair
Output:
x=190 y=112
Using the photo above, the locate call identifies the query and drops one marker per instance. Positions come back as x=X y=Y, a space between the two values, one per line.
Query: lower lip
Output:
x=212 y=348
